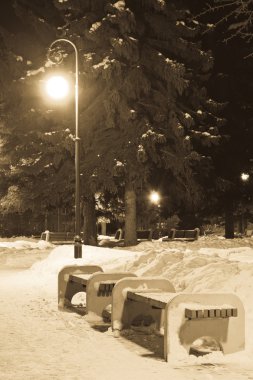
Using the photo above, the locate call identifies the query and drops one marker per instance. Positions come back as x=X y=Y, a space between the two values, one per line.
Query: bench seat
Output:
x=182 y=235
x=97 y=285
x=118 y=239
x=160 y=300
x=80 y=278
x=58 y=237
x=105 y=287
x=183 y=317
x=153 y=297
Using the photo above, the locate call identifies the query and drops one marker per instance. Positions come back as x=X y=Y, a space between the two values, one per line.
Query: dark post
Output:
x=77 y=238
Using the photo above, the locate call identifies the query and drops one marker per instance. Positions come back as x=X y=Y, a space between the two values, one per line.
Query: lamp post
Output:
x=245 y=177
x=77 y=238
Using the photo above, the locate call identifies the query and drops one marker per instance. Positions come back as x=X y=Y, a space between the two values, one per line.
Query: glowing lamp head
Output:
x=57 y=87
x=154 y=197
x=245 y=177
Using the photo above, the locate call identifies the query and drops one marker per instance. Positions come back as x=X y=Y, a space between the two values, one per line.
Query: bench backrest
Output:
x=184 y=234
x=191 y=234
x=179 y=234
x=141 y=234
x=57 y=236
x=119 y=234
x=144 y=234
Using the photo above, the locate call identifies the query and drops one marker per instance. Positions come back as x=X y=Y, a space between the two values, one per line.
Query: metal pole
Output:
x=77 y=238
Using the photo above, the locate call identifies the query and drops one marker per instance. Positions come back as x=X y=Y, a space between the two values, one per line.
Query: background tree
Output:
x=229 y=38
x=145 y=104
x=236 y=16
x=30 y=144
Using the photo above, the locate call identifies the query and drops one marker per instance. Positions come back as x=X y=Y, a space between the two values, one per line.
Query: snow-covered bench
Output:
x=248 y=233
x=118 y=239
x=182 y=235
x=58 y=237
x=91 y=279
x=184 y=317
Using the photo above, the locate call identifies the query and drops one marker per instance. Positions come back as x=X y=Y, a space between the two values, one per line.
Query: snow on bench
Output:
x=118 y=239
x=183 y=317
x=91 y=279
x=58 y=237
x=182 y=235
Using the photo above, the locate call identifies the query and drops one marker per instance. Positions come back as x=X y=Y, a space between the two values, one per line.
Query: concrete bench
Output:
x=183 y=317
x=116 y=241
x=248 y=233
x=182 y=235
x=91 y=279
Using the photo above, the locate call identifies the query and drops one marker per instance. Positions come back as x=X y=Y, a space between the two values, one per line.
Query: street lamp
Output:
x=244 y=177
x=57 y=87
x=154 y=197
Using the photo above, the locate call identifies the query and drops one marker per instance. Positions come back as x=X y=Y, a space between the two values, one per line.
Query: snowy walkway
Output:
x=40 y=342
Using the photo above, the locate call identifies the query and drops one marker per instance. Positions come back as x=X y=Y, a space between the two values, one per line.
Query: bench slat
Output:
x=105 y=287
x=80 y=278
x=158 y=299
x=182 y=235
x=153 y=297
x=210 y=313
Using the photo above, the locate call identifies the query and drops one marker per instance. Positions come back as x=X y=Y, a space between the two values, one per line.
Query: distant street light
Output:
x=154 y=197
x=245 y=177
x=243 y=214
x=57 y=87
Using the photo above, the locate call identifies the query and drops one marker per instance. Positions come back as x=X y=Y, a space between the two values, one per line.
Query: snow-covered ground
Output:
x=40 y=342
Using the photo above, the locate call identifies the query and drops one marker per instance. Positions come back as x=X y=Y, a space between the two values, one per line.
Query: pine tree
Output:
x=38 y=154
x=230 y=41
x=144 y=102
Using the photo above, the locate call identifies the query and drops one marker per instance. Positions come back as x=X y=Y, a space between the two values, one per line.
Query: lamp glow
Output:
x=154 y=197
x=245 y=177
x=57 y=87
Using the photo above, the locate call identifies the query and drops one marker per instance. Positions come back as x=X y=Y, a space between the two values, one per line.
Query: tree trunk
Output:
x=229 y=222
x=103 y=228
x=58 y=219
x=242 y=223
x=130 y=218
x=89 y=225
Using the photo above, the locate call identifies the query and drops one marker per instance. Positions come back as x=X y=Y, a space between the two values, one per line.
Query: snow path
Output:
x=37 y=341
x=40 y=342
